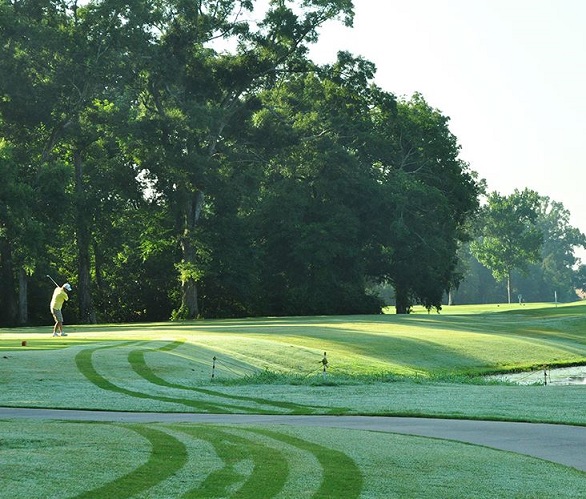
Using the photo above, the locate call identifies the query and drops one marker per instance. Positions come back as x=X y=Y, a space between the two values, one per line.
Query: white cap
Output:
x=67 y=286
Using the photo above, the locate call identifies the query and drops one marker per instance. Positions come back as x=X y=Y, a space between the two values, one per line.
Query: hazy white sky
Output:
x=510 y=74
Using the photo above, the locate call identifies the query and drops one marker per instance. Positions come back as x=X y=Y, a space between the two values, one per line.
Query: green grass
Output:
x=417 y=365
x=166 y=457
x=385 y=364
x=57 y=459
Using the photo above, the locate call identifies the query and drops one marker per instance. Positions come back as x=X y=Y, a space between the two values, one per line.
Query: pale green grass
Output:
x=384 y=364
x=489 y=308
x=419 y=365
x=58 y=460
x=420 y=343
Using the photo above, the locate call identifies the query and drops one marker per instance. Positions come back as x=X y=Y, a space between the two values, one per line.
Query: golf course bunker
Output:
x=575 y=375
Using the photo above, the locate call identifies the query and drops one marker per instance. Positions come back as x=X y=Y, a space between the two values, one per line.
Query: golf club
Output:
x=52 y=280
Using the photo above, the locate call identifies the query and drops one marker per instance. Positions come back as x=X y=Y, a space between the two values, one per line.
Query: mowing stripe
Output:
x=85 y=365
x=136 y=359
x=341 y=475
x=269 y=468
x=167 y=457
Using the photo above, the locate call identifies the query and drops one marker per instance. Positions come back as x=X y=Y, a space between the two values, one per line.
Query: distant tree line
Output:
x=180 y=159
x=523 y=251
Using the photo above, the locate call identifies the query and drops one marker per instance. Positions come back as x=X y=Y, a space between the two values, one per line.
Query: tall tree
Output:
x=579 y=280
x=560 y=240
x=32 y=34
x=552 y=276
x=66 y=62
x=105 y=36
x=434 y=194
x=206 y=62
x=510 y=237
x=397 y=178
x=317 y=216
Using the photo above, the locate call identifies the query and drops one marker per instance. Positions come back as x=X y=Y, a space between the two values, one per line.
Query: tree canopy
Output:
x=186 y=159
x=525 y=240
x=510 y=238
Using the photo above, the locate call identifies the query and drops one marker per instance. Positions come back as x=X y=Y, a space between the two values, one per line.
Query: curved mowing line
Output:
x=167 y=457
x=85 y=366
x=136 y=359
x=341 y=475
x=268 y=476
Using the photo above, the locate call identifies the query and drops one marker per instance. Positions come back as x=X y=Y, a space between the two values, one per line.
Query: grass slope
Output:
x=423 y=364
x=420 y=365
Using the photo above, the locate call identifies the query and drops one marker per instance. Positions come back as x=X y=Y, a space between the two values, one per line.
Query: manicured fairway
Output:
x=424 y=364
x=68 y=459
x=419 y=365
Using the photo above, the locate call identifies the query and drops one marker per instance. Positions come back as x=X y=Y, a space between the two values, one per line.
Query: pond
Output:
x=575 y=375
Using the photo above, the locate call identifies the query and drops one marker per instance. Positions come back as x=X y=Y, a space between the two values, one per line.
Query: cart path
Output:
x=563 y=444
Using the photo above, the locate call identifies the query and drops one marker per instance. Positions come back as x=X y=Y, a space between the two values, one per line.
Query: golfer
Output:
x=59 y=297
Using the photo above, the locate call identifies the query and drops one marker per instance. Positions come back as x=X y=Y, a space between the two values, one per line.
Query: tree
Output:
x=559 y=242
x=192 y=90
x=433 y=194
x=553 y=274
x=179 y=139
x=510 y=238
x=579 y=279
x=398 y=198
x=69 y=66
x=32 y=34
x=311 y=216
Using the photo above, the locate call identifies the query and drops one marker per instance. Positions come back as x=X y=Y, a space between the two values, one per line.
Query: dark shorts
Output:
x=57 y=315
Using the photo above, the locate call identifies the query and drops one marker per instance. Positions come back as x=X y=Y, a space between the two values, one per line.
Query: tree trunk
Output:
x=509 y=286
x=189 y=296
x=86 y=305
x=402 y=305
x=22 y=297
x=98 y=262
x=9 y=307
x=189 y=301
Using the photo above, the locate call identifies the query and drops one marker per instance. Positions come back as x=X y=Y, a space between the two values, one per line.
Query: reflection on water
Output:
x=577 y=380
x=559 y=376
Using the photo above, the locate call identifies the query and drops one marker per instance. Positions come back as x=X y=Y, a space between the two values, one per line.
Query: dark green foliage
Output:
x=432 y=194
x=579 y=278
x=167 y=176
